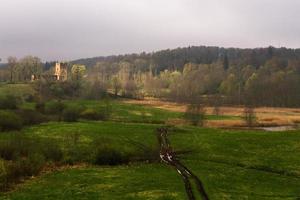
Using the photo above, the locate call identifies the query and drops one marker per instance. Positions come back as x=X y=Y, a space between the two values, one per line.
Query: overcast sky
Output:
x=70 y=29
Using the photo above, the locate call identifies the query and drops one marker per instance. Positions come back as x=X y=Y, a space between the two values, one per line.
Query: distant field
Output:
x=157 y=111
x=266 y=116
x=232 y=164
x=126 y=112
x=15 y=89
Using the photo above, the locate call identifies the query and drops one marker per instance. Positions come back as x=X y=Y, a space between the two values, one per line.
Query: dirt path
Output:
x=168 y=156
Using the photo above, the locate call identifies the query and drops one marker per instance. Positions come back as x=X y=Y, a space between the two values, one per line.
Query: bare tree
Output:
x=195 y=114
x=12 y=63
x=217 y=103
x=116 y=85
x=249 y=116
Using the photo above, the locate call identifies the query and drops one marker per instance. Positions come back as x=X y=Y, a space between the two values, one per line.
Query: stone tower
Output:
x=61 y=71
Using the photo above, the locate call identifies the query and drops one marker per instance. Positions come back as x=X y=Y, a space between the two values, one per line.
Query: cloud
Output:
x=69 y=29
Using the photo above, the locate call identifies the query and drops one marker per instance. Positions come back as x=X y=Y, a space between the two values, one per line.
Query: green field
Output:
x=124 y=112
x=232 y=164
x=19 y=90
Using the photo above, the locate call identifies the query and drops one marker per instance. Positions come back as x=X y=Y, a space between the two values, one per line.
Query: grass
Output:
x=87 y=132
x=17 y=89
x=125 y=112
x=232 y=164
x=278 y=151
x=243 y=164
x=123 y=182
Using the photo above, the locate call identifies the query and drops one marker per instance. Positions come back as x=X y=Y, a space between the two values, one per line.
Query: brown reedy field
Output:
x=266 y=116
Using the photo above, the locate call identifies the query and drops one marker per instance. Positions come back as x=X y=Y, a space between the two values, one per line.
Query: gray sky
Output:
x=70 y=29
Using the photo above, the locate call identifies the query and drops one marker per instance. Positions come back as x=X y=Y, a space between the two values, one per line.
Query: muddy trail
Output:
x=168 y=156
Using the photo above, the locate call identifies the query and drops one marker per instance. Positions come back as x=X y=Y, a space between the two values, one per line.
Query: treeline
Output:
x=177 y=58
x=21 y=70
x=258 y=77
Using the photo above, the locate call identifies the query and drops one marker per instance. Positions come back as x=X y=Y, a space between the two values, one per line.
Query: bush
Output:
x=52 y=152
x=195 y=114
x=148 y=154
x=25 y=166
x=249 y=116
x=91 y=114
x=10 y=121
x=40 y=107
x=16 y=145
x=29 y=98
x=8 y=151
x=32 y=164
x=104 y=153
x=8 y=102
x=31 y=117
x=107 y=155
x=26 y=157
x=95 y=90
x=3 y=175
x=72 y=113
x=54 y=108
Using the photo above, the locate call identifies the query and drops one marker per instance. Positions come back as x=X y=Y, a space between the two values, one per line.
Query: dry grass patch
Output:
x=224 y=123
x=266 y=116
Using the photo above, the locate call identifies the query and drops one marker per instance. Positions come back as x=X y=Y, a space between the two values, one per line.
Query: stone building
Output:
x=58 y=73
x=61 y=71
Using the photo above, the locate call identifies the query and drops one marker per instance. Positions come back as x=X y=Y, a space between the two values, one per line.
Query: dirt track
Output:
x=168 y=156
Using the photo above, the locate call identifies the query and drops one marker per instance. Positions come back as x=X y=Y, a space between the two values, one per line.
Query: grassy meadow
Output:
x=233 y=164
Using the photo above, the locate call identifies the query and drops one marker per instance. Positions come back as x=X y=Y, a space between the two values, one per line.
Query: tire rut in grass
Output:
x=168 y=156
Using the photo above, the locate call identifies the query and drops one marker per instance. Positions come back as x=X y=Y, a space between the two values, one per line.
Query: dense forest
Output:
x=259 y=77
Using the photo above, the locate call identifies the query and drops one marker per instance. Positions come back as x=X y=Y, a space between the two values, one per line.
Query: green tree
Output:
x=78 y=72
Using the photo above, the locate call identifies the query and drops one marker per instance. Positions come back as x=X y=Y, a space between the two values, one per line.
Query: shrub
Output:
x=249 y=116
x=95 y=90
x=27 y=157
x=148 y=154
x=55 y=107
x=31 y=117
x=8 y=102
x=29 y=98
x=40 y=107
x=195 y=114
x=8 y=151
x=104 y=153
x=25 y=166
x=16 y=145
x=9 y=121
x=73 y=151
x=77 y=154
x=72 y=113
x=107 y=155
x=31 y=165
x=52 y=151
x=3 y=175
x=91 y=114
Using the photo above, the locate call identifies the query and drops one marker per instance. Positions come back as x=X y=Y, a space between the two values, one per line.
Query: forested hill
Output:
x=177 y=58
